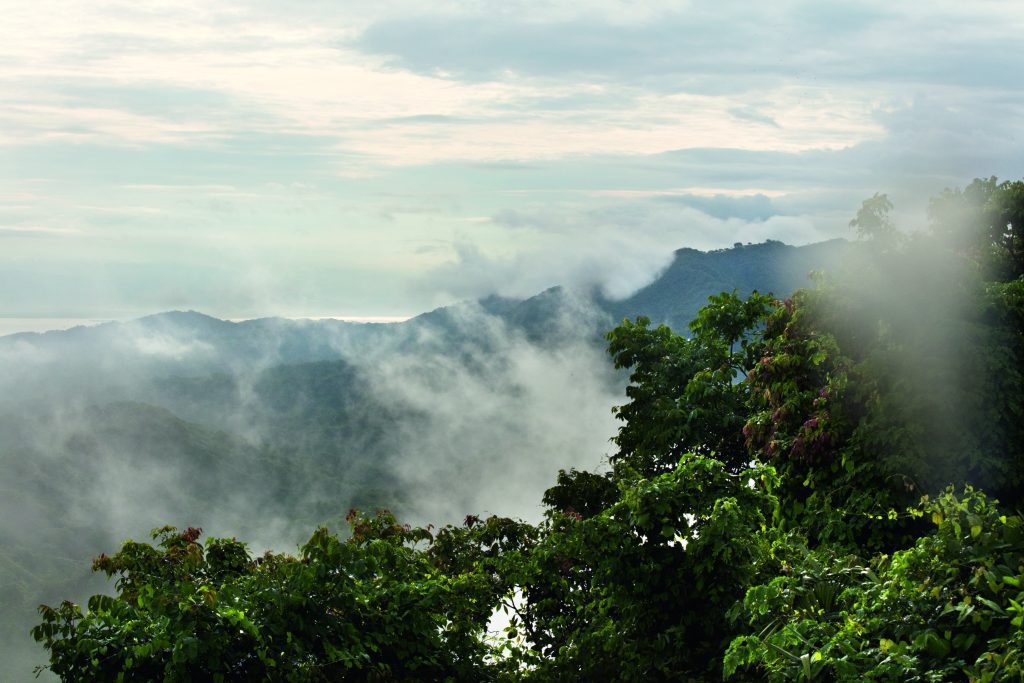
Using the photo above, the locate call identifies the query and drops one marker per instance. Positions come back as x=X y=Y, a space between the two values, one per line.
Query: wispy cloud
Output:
x=692 y=191
x=37 y=231
x=221 y=73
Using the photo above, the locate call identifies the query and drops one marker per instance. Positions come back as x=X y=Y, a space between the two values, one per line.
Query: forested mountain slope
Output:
x=795 y=495
x=265 y=428
x=676 y=295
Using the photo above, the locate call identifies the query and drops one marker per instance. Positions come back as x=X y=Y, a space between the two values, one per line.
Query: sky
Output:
x=326 y=158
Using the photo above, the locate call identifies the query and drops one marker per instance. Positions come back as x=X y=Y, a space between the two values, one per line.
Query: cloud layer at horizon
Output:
x=249 y=158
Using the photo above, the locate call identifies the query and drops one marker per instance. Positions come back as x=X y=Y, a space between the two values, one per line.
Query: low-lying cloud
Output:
x=286 y=424
x=615 y=249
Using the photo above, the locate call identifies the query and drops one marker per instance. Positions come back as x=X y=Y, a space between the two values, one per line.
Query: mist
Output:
x=265 y=429
x=507 y=405
x=915 y=312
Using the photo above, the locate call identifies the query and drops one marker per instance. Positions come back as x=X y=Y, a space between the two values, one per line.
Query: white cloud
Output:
x=37 y=230
x=285 y=73
x=618 y=247
x=166 y=346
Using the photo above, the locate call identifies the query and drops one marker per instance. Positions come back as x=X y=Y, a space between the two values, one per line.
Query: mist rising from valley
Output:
x=264 y=429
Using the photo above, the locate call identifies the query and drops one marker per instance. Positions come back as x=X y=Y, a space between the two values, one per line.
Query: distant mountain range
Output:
x=672 y=298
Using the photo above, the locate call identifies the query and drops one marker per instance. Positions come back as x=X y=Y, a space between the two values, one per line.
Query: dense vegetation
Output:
x=803 y=489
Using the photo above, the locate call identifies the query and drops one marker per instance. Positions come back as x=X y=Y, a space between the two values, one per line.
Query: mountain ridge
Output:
x=773 y=262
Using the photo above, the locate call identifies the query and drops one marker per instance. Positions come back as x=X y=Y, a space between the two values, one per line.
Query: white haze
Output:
x=494 y=415
x=504 y=418
x=616 y=248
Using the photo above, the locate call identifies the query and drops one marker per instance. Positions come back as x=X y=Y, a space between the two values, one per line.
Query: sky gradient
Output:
x=340 y=159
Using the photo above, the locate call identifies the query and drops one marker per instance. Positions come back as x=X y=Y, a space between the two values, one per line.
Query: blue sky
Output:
x=379 y=159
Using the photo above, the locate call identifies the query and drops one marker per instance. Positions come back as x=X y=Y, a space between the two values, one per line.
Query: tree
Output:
x=372 y=608
x=686 y=395
x=983 y=221
x=950 y=606
x=641 y=590
x=872 y=222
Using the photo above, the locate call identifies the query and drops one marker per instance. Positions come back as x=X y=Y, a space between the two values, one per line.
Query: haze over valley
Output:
x=264 y=429
x=261 y=265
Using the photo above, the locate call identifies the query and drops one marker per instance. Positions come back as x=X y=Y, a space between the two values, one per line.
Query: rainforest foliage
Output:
x=822 y=488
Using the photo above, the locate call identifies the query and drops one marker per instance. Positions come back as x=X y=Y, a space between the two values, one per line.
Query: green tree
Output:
x=686 y=395
x=872 y=222
x=369 y=608
x=983 y=221
x=641 y=590
x=949 y=607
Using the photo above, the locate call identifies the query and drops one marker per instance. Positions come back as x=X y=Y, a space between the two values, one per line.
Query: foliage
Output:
x=995 y=213
x=872 y=222
x=949 y=607
x=371 y=607
x=874 y=390
x=639 y=592
x=581 y=492
x=684 y=394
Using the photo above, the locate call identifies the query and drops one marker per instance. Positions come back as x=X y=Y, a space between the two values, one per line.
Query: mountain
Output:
x=676 y=295
x=673 y=296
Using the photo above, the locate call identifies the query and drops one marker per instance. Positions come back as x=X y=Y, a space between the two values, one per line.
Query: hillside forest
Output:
x=265 y=429
x=821 y=486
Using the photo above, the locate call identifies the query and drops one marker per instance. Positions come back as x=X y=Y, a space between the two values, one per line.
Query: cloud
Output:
x=751 y=114
x=243 y=71
x=616 y=246
x=501 y=403
x=714 y=47
x=167 y=346
x=36 y=231
x=755 y=207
